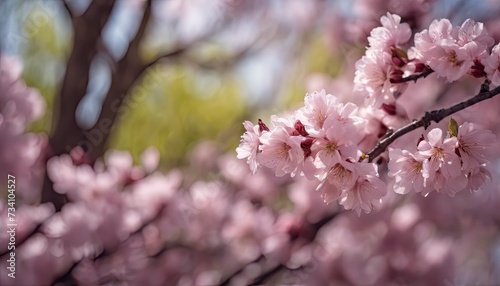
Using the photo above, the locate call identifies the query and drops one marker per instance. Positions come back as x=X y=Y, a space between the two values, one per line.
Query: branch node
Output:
x=426 y=119
x=485 y=86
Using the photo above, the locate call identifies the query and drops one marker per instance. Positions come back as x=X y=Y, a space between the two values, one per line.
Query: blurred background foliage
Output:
x=186 y=105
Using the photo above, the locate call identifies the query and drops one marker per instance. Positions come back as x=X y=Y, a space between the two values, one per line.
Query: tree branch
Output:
x=435 y=115
x=414 y=77
x=65 y=130
x=127 y=72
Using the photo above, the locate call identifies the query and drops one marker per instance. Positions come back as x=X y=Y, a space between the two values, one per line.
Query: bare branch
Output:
x=435 y=115
x=175 y=52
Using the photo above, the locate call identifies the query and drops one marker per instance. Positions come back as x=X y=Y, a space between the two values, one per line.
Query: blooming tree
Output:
x=325 y=194
x=321 y=140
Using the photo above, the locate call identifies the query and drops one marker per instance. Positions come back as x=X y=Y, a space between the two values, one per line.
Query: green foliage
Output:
x=316 y=59
x=180 y=108
x=43 y=47
x=453 y=127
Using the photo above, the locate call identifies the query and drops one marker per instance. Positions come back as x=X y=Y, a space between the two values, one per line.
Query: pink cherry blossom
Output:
x=249 y=145
x=335 y=146
x=317 y=107
x=340 y=177
x=281 y=151
x=392 y=33
x=21 y=153
x=441 y=156
x=472 y=143
x=367 y=190
x=246 y=228
x=218 y=222
x=443 y=184
x=450 y=51
x=449 y=60
x=345 y=117
x=406 y=169
x=150 y=159
x=442 y=170
x=492 y=65
x=429 y=39
x=474 y=32
x=373 y=74
x=477 y=178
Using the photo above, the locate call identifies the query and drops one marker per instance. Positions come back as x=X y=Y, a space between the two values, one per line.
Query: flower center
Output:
x=331 y=147
x=452 y=58
x=340 y=172
x=416 y=167
x=438 y=153
x=284 y=150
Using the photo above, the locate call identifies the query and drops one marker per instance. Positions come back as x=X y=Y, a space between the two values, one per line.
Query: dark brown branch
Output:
x=66 y=133
x=168 y=55
x=414 y=77
x=127 y=72
x=425 y=121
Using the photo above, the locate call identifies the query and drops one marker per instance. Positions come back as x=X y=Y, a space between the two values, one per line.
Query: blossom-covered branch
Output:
x=425 y=121
x=323 y=140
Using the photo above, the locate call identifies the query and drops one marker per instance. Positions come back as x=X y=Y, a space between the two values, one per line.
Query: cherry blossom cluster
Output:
x=319 y=141
x=447 y=165
x=385 y=62
x=450 y=51
x=324 y=139
x=216 y=223
x=20 y=152
x=134 y=225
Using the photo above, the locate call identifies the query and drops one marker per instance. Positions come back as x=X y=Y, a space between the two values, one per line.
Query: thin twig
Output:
x=425 y=121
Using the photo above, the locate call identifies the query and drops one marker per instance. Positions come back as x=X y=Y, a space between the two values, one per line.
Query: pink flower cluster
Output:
x=384 y=62
x=21 y=153
x=446 y=165
x=492 y=65
x=453 y=51
x=324 y=140
x=450 y=51
x=319 y=141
